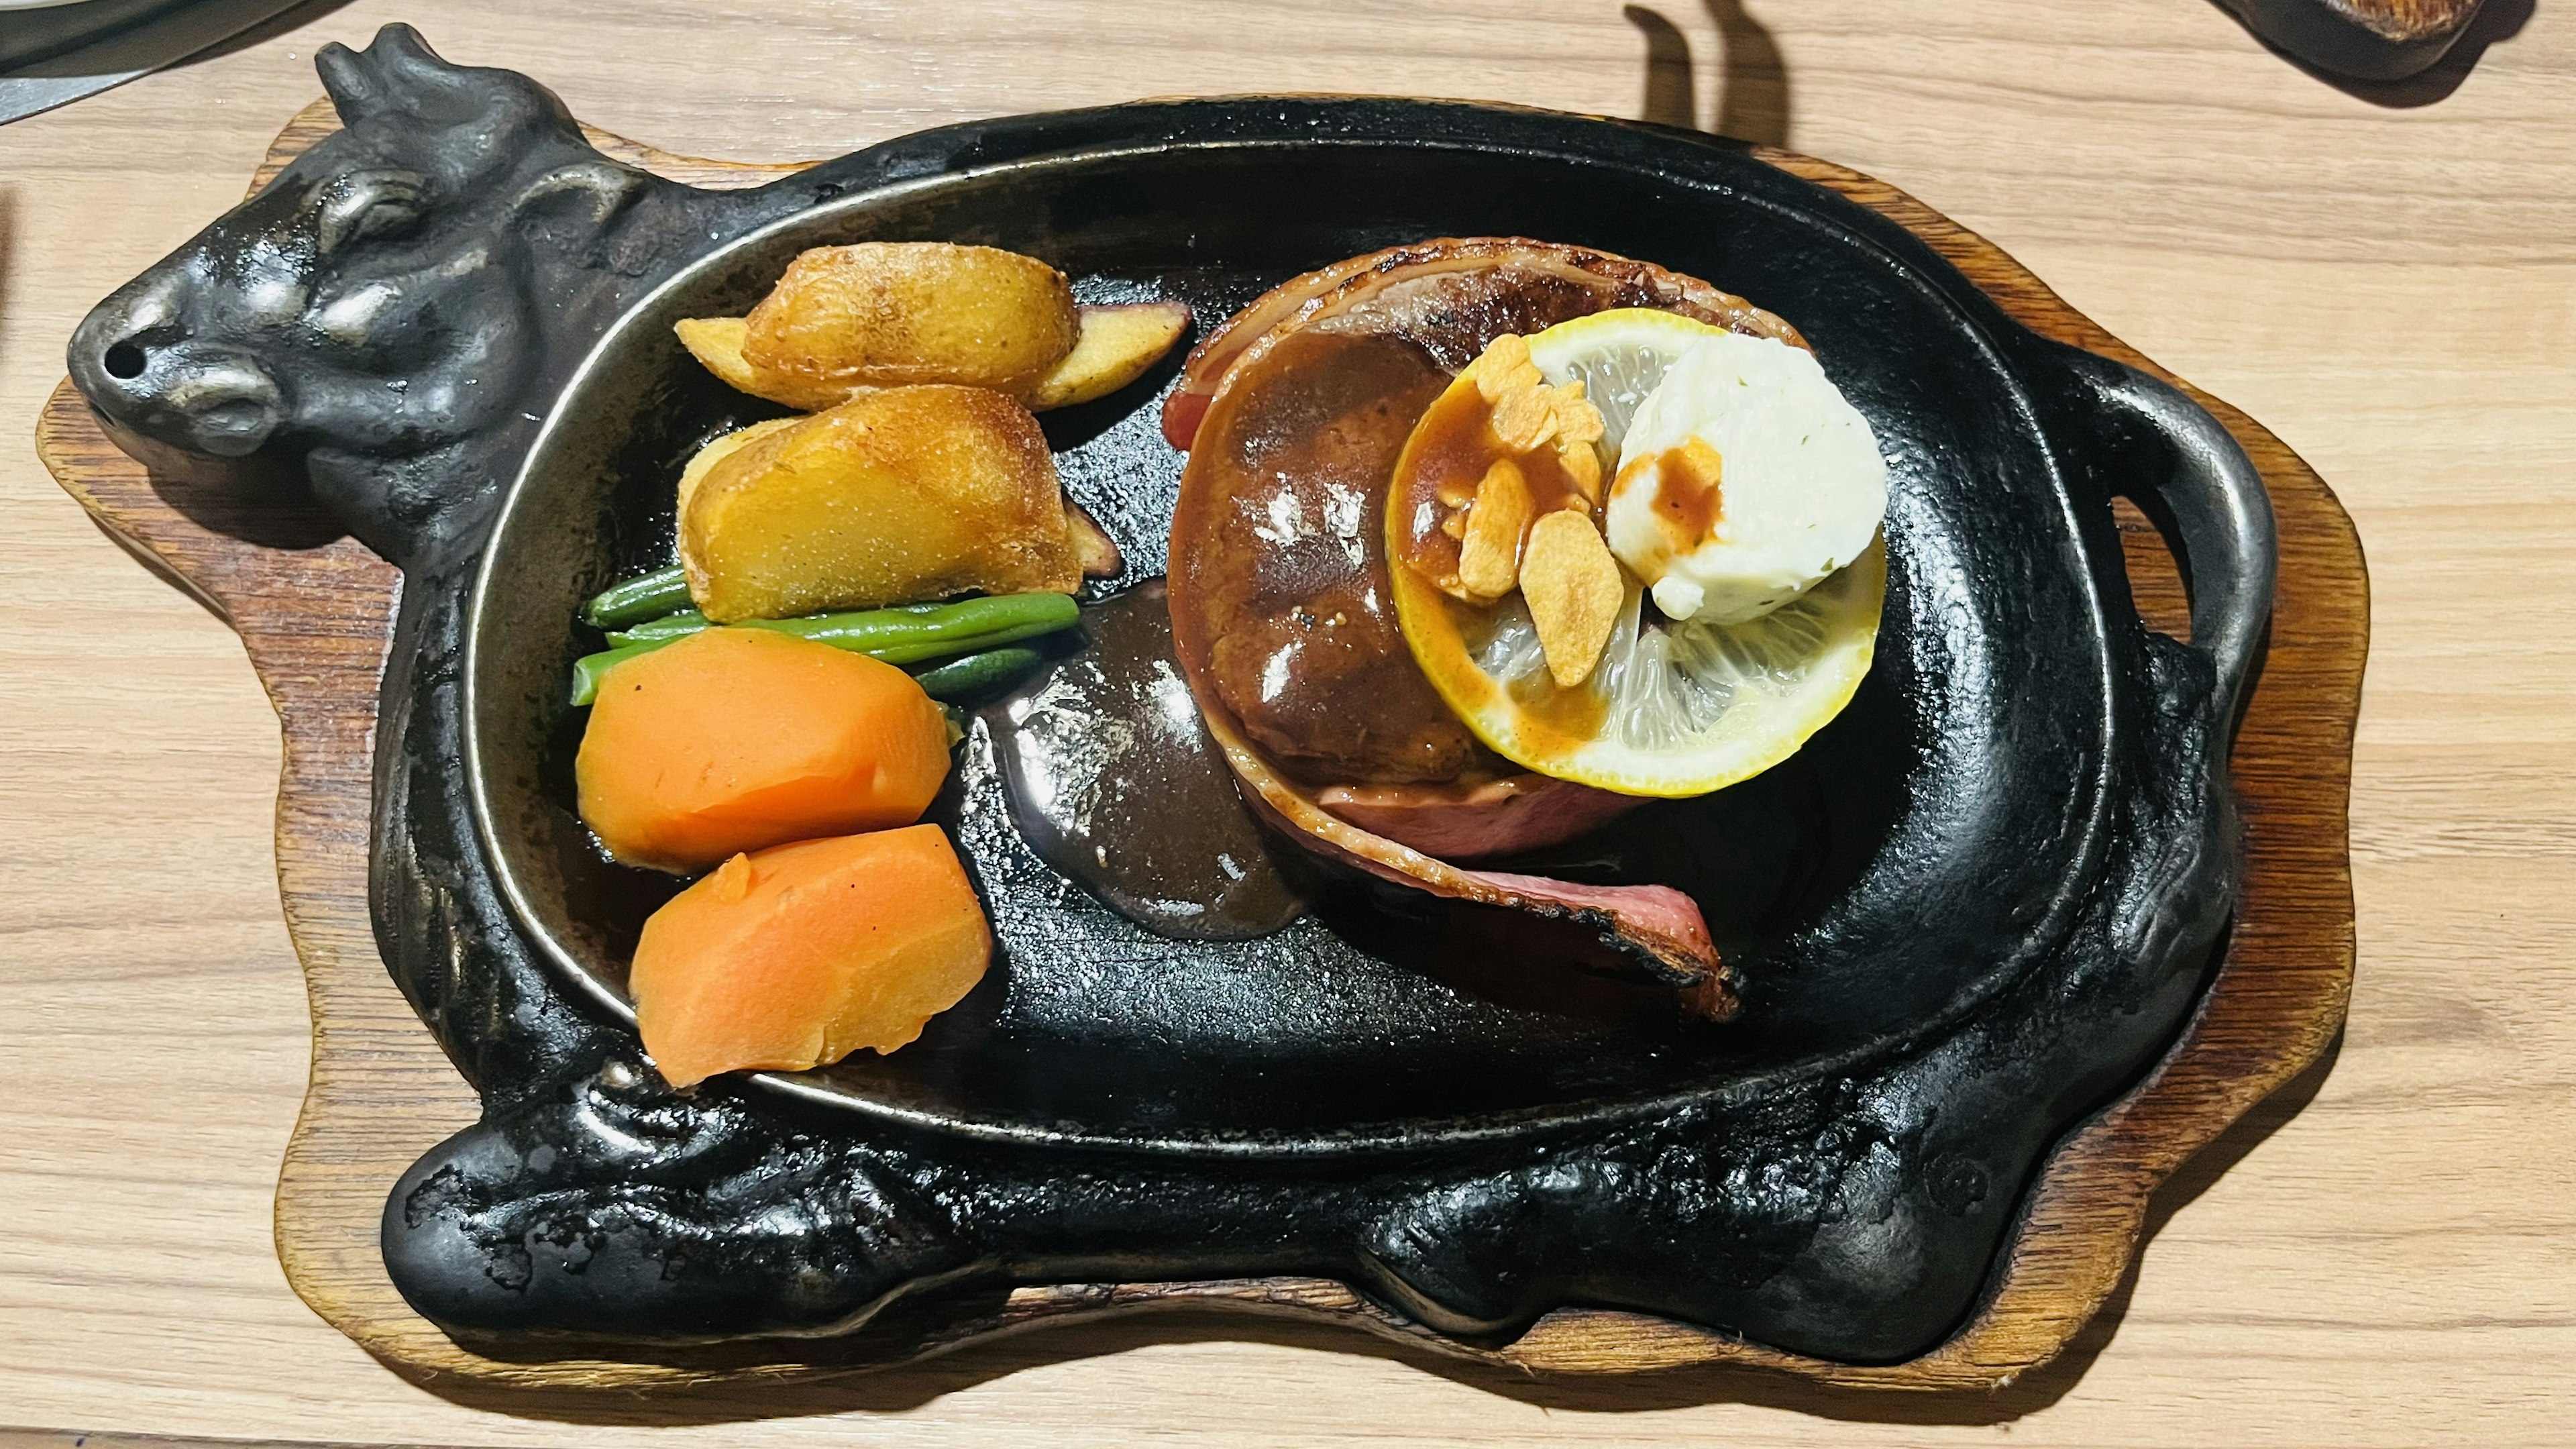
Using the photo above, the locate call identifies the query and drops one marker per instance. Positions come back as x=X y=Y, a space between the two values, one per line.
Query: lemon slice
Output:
x=1672 y=709
x=1619 y=356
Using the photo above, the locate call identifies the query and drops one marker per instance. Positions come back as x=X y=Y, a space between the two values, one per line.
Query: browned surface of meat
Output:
x=1279 y=561
x=1523 y=304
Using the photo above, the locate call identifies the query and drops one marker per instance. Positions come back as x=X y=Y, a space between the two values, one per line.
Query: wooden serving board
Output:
x=315 y=613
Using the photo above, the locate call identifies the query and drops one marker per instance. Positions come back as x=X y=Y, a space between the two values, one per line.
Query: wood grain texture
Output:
x=2389 y=1268
x=315 y=622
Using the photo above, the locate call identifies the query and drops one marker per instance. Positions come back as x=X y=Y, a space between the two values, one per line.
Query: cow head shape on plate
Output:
x=378 y=319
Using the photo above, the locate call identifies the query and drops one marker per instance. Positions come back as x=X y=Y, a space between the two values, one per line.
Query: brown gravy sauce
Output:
x=1690 y=493
x=1279 y=561
x=1446 y=458
x=1574 y=715
x=1115 y=783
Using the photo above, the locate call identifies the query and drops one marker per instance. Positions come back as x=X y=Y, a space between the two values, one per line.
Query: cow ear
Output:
x=603 y=188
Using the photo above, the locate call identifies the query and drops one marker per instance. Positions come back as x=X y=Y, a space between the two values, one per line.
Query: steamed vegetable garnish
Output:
x=753 y=708
x=970 y=675
x=590 y=669
x=735 y=739
x=907 y=634
x=900 y=495
x=670 y=626
x=638 y=599
x=796 y=956
x=911 y=634
x=886 y=314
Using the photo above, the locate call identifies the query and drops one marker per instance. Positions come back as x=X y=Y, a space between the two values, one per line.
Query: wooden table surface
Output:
x=2384 y=1256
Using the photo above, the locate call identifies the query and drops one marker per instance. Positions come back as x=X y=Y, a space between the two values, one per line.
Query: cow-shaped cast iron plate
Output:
x=1967 y=914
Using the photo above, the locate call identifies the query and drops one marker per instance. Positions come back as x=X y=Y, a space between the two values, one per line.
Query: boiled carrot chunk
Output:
x=797 y=956
x=735 y=739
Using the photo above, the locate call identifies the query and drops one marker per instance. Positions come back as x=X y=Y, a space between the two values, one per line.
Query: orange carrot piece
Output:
x=796 y=956
x=735 y=739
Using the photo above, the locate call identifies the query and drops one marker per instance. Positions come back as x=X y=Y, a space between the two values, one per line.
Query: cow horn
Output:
x=605 y=185
x=399 y=44
x=410 y=64
x=397 y=66
x=349 y=78
x=399 y=72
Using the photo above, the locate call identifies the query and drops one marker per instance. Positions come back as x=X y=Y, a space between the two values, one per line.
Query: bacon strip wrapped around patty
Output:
x=1294 y=413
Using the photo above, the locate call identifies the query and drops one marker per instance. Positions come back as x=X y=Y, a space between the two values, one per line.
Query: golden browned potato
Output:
x=898 y=495
x=1113 y=347
x=705 y=459
x=1116 y=346
x=716 y=342
x=887 y=314
x=1093 y=548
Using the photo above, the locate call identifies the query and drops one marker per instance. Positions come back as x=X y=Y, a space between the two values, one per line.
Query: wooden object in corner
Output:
x=314 y=613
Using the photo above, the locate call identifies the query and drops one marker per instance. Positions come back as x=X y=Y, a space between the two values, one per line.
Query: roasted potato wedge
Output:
x=716 y=342
x=705 y=459
x=1116 y=345
x=900 y=494
x=1093 y=548
x=890 y=314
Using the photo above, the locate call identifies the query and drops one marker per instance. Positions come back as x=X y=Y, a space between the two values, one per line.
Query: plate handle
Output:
x=2164 y=452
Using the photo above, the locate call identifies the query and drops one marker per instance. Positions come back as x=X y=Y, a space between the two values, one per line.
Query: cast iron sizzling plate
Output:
x=1966 y=915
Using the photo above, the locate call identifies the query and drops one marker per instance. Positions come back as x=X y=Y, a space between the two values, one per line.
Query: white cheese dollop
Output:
x=1799 y=486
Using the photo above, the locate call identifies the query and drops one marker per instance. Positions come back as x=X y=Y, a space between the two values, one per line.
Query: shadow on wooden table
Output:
x=895 y=1390
x=1753 y=84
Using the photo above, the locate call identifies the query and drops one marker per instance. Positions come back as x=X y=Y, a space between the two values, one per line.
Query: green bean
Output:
x=589 y=669
x=977 y=674
x=1042 y=614
x=909 y=634
x=639 y=599
x=665 y=629
x=690 y=621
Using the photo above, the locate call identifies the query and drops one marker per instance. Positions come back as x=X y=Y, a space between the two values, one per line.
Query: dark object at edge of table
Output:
x=59 y=54
x=2376 y=40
